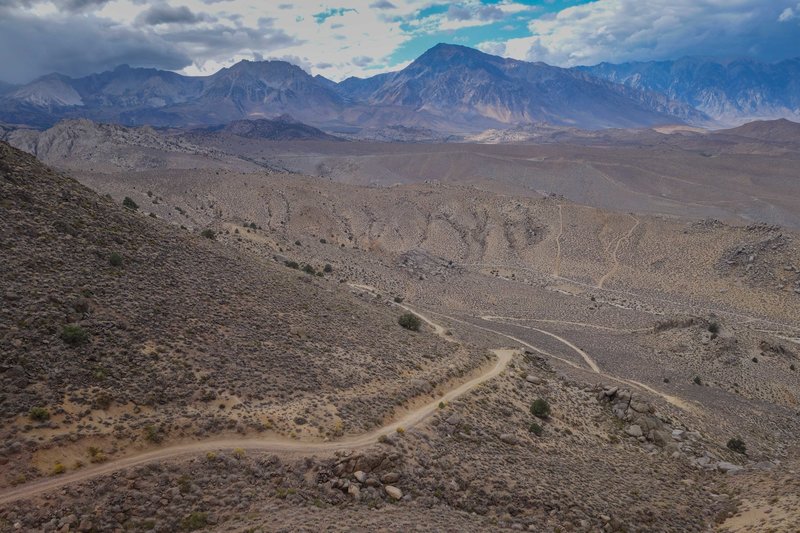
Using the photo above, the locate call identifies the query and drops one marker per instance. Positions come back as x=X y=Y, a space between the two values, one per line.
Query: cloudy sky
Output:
x=365 y=37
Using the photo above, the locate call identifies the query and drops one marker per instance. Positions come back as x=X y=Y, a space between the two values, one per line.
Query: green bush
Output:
x=130 y=204
x=540 y=408
x=40 y=414
x=737 y=444
x=115 y=259
x=327 y=268
x=208 y=234
x=194 y=521
x=308 y=269
x=74 y=335
x=536 y=429
x=292 y=264
x=410 y=321
x=152 y=434
x=713 y=328
x=398 y=299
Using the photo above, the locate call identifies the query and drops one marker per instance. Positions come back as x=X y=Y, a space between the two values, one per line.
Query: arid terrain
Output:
x=199 y=331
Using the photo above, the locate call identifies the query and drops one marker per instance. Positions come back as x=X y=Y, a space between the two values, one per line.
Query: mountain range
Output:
x=449 y=89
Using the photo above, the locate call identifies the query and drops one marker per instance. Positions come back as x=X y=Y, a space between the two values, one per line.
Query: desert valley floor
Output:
x=200 y=331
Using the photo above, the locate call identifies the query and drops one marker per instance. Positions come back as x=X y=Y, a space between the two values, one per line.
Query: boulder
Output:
x=454 y=419
x=391 y=477
x=641 y=407
x=634 y=430
x=393 y=492
x=728 y=468
x=509 y=438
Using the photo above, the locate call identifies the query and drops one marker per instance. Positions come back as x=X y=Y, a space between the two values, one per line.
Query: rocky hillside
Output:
x=106 y=313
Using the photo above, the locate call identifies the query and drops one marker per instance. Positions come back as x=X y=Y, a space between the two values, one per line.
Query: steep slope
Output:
x=122 y=332
x=731 y=92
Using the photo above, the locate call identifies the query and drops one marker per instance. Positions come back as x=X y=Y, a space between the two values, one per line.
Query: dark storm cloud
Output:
x=362 y=61
x=164 y=14
x=383 y=4
x=76 y=46
x=458 y=13
x=221 y=42
x=64 y=5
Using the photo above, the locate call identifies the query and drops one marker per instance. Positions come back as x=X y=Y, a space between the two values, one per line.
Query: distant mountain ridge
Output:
x=449 y=89
x=731 y=92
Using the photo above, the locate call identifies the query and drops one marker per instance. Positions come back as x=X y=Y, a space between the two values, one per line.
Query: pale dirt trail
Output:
x=674 y=400
x=614 y=257
x=270 y=444
x=585 y=356
x=557 y=266
x=282 y=445
x=550 y=321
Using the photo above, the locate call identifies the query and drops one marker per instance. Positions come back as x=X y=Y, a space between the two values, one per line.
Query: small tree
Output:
x=74 y=335
x=540 y=408
x=39 y=414
x=130 y=204
x=410 y=321
x=536 y=429
x=737 y=444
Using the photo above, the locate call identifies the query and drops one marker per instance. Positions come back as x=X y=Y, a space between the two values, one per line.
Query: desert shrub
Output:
x=323 y=241
x=713 y=328
x=208 y=234
x=115 y=259
x=151 y=434
x=194 y=521
x=536 y=429
x=292 y=264
x=74 y=335
x=96 y=455
x=40 y=414
x=737 y=444
x=398 y=299
x=410 y=321
x=697 y=380
x=239 y=453
x=253 y=225
x=540 y=408
x=308 y=269
x=130 y=204
x=59 y=468
x=327 y=268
